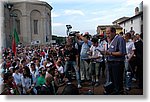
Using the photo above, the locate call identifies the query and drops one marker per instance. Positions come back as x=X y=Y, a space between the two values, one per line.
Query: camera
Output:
x=73 y=33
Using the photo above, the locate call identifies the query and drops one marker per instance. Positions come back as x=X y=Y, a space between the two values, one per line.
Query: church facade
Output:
x=32 y=21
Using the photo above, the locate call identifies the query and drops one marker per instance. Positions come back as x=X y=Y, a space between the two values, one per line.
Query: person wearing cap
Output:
x=84 y=65
x=116 y=56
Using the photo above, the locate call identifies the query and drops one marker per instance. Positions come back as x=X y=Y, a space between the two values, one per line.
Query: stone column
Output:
x=25 y=30
x=44 y=25
x=2 y=36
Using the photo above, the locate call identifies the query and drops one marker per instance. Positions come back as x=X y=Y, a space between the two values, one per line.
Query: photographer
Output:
x=71 y=40
x=71 y=59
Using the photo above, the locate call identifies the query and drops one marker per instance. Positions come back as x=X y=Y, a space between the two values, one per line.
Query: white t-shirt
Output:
x=60 y=69
x=26 y=83
x=96 y=53
x=103 y=45
x=17 y=78
x=35 y=75
x=130 y=47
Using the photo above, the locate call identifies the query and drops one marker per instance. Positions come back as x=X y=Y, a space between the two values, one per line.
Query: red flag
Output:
x=14 y=46
x=15 y=41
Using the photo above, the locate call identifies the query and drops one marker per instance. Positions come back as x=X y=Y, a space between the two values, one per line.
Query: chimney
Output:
x=136 y=10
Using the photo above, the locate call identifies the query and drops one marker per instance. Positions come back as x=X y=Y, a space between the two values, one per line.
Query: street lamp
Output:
x=13 y=15
x=9 y=6
x=68 y=29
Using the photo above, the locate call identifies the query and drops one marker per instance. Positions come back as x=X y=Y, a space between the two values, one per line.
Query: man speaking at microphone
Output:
x=115 y=55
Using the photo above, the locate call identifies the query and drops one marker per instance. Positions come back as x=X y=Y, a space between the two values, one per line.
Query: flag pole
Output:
x=13 y=37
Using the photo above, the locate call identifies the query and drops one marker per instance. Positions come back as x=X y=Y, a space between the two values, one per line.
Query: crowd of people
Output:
x=42 y=69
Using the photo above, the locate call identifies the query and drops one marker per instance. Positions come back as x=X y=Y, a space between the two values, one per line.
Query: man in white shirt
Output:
x=96 y=58
x=129 y=67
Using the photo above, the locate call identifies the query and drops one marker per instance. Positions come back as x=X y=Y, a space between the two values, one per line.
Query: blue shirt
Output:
x=85 y=47
x=118 y=44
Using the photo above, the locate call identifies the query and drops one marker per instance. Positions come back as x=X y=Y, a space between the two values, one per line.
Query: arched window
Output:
x=35 y=26
x=35 y=21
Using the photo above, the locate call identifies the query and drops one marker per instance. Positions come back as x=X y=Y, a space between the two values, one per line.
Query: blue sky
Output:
x=86 y=15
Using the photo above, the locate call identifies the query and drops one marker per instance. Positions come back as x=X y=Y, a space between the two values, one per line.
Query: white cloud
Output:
x=23 y=0
x=55 y=14
x=104 y=19
x=81 y=1
x=113 y=14
x=133 y=2
x=57 y=24
x=101 y=15
x=94 y=19
x=99 y=12
x=74 y=12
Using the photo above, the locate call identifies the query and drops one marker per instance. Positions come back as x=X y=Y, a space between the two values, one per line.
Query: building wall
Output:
x=126 y=26
x=27 y=12
x=2 y=37
x=103 y=30
x=136 y=25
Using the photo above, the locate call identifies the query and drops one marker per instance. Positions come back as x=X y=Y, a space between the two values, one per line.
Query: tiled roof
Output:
x=104 y=26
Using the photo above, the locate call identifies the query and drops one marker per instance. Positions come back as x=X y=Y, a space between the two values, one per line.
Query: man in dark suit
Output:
x=139 y=59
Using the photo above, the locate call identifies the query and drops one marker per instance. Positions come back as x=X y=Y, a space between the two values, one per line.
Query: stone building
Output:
x=32 y=21
x=102 y=28
x=134 y=23
x=116 y=22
